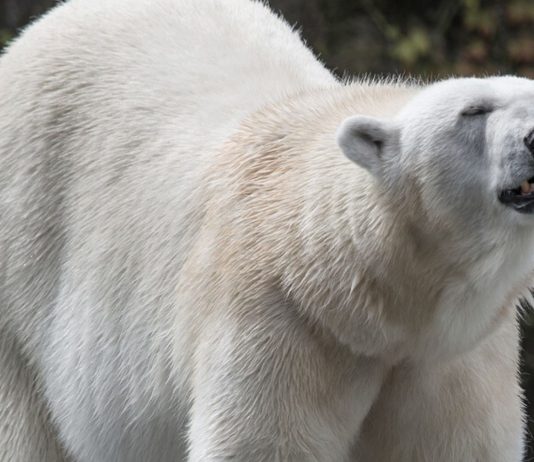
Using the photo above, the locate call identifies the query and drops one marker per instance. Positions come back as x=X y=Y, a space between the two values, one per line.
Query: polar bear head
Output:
x=458 y=160
x=466 y=144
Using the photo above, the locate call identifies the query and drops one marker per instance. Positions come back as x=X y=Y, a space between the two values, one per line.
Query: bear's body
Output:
x=187 y=260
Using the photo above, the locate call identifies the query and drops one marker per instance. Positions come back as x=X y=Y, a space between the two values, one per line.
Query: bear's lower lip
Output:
x=520 y=201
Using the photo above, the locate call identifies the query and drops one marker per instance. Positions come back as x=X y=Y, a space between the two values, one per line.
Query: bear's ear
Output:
x=364 y=140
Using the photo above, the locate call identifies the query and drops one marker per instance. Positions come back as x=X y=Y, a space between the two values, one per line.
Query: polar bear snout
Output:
x=518 y=167
x=521 y=198
x=529 y=141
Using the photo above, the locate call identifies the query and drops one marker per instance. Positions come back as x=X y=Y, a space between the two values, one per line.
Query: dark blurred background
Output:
x=408 y=37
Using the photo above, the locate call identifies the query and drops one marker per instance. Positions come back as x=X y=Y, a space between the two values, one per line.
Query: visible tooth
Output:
x=525 y=187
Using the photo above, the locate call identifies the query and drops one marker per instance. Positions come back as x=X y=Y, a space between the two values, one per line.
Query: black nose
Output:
x=529 y=141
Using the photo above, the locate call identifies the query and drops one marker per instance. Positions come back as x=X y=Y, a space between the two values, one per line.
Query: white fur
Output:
x=190 y=269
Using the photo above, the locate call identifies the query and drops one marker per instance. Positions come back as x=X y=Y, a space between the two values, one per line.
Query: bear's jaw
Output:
x=521 y=199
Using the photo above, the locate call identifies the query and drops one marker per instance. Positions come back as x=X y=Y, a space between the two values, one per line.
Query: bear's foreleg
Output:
x=266 y=390
x=26 y=433
x=467 y=410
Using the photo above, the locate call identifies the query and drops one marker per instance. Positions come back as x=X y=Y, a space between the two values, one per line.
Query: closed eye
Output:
x=476 y=110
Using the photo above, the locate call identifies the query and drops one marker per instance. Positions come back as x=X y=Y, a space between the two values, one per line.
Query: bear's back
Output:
x=111 y=110
x=111 y=113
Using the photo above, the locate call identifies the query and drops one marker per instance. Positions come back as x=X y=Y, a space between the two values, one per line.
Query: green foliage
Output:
x=5 y=37
x=463 y=37
x=414 y=46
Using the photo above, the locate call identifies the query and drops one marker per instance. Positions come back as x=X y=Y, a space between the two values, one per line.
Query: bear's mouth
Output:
x=521 y=198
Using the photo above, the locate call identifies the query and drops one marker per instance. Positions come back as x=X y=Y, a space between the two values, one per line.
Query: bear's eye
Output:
x=476 y=110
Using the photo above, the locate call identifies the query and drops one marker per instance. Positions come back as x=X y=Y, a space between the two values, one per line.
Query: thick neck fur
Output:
x=352 y=260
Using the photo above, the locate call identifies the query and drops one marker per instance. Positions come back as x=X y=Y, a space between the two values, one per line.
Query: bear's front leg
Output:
x=468 y=410
x=265 y=389
x=26 y=430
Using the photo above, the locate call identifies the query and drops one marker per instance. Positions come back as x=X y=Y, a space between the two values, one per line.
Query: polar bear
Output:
x=212 y=249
